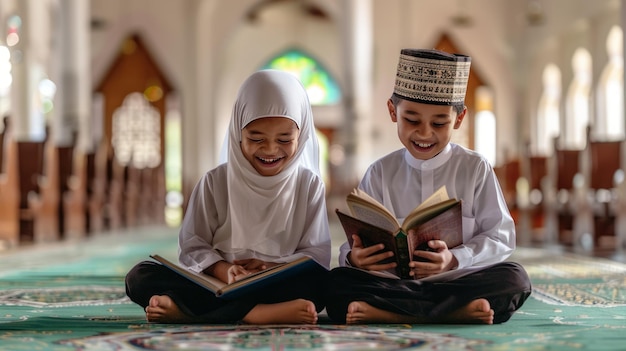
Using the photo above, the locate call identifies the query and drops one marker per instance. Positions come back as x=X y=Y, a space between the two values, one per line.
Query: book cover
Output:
x=248 y=284
x=445 y=224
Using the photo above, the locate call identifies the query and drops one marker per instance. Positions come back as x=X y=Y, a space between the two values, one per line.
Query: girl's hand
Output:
x=236 y=272
x=369 y=257
x=252 y=265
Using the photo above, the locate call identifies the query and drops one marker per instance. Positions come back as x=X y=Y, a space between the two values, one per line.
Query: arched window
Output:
x=548 y=126
x=319 y=84
x=610 y=119
x=577 y=103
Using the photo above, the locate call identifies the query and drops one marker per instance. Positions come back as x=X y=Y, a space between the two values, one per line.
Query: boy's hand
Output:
x=368 y=257
x=436 y=260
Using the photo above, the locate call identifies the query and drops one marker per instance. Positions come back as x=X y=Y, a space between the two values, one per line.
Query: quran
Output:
x=247 y=284
x=437 y=218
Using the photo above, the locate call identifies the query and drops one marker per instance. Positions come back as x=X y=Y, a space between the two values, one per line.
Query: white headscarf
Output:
x=261 y=207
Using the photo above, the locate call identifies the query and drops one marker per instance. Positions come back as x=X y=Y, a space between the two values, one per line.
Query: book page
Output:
x=371 y=216
x=364 y=207
x=425 y=214
x=207 y=281
x=438 y=196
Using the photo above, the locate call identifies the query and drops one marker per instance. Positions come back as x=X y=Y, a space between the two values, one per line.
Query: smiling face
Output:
x=269 y=144
x=424 y=129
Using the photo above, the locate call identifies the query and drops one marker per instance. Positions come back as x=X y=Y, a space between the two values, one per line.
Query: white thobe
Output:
x=401 y=182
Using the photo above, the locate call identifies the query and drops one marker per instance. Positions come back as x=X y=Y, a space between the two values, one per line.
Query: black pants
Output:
x=148 y=278
x=505 y=285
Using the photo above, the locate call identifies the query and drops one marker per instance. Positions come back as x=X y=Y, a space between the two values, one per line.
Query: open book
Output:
x=248 y=284
x=437 y=218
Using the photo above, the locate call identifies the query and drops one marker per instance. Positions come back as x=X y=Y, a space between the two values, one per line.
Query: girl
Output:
x=264 y=206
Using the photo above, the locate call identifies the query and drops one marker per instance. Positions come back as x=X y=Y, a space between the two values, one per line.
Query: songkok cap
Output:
x=432 y=77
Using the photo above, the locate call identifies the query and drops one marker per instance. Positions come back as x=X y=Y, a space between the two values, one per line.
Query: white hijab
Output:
x=262 y=207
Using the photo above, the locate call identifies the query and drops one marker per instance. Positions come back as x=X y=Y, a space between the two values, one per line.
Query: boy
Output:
x=427 y=104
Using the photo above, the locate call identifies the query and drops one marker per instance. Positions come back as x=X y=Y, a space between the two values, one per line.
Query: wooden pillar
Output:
x=30 y=155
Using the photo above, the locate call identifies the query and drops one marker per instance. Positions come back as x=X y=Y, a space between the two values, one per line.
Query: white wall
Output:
x=490 y=40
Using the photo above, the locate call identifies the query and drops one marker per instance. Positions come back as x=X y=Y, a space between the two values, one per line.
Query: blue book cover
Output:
x=250 y=283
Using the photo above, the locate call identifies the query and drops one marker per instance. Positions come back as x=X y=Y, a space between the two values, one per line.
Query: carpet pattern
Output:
x=574 y=280
x=283 y=337
x=63 y=297
x=71 y=297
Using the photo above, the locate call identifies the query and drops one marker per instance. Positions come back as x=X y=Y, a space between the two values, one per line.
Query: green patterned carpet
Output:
x=71 y=297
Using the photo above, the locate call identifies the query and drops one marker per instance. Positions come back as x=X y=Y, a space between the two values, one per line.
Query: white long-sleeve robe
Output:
x=205 y=235
x=401 y=182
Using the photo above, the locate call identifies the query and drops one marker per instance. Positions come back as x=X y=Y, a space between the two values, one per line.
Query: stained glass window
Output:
x=319 y=84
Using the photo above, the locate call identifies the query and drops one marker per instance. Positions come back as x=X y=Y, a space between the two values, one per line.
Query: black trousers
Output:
x=505 y=285
x=148 y=278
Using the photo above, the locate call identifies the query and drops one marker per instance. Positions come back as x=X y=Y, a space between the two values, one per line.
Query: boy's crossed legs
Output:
x=487 y=296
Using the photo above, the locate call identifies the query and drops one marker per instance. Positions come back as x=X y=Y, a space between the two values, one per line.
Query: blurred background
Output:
x=113 y=109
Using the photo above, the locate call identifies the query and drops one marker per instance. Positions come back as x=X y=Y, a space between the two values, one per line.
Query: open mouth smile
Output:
x=269 y=161
x=423 y=146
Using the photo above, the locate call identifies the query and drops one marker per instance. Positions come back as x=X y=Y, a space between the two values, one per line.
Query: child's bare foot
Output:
x=297 y=311
x=360 y=312
x=477 y=312
x=161 y=309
